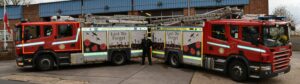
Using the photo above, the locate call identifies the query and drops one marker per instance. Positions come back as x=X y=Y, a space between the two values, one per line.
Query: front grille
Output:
x=281 y=60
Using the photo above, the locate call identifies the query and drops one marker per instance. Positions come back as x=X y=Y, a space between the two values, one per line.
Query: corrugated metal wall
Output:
x=159 y=4
x=14 y=12
x=90 y=6
x=109 y=6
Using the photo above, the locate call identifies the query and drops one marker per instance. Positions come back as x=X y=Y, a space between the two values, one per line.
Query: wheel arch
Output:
x=232 y=58
x=111 y=53
x=41 y=52
x=177 y=52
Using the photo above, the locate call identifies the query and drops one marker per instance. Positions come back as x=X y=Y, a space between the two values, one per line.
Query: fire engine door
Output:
x=66 y=38
x=249 y=42
x=35 y=37
x=218 y=40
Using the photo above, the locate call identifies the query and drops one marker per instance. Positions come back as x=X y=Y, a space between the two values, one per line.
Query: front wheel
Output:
x=118 y=58
x=44 y=63
x=238 y=71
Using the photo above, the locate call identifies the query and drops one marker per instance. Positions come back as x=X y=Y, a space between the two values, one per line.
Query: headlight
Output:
x=19 y=59
x=265 y=68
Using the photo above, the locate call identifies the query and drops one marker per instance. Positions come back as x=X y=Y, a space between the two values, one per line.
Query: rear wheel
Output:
x=118 y=58
x=174 y=61
x=238 y=71
x=44 y=63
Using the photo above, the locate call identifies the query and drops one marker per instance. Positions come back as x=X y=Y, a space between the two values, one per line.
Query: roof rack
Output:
x=226 y=12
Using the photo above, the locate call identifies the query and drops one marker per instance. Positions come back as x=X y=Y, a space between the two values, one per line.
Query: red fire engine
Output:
x=242 y=48
x=45 y=45
x=256 y=48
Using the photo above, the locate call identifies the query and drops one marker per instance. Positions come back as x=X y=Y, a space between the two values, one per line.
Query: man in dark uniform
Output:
x=146 y=44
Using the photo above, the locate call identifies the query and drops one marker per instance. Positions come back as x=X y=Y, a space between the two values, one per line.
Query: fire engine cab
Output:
x=242 y=48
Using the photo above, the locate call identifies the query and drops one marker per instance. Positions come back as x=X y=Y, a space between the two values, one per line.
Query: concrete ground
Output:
x=132 y=73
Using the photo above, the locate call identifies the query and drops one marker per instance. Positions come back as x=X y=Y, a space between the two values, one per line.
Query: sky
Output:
x=292 y=5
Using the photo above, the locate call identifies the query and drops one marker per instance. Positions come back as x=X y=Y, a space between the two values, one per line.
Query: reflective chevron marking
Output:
x=217 y=44
x=30 y=44
x=251 y=49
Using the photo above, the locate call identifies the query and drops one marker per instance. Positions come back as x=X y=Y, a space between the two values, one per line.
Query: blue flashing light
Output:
x=271 y=17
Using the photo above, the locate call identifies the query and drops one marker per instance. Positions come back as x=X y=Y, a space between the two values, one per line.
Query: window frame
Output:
x=59 y=34
x=243 y=28
x=238 y=31
x=39 y=30
x=224 y=38
x=44 y=32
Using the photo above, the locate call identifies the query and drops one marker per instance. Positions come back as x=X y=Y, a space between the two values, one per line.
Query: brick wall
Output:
x=186 y=11
x=31 y=12
x=257 y=7
x=133 y=13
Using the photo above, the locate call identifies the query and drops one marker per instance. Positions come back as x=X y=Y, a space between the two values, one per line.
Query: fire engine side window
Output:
x=250 y=33
x=218 y=32
x=64 y=31
x=32 y=32
x=47 y=30
x=234 y=31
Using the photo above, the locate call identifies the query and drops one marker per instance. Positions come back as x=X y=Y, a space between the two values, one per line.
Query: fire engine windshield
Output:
x=274 y=36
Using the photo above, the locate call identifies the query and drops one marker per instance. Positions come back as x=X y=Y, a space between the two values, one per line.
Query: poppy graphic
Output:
x=186 y=48
x=103 y=46
x=94 y=48
x=198 y=44
x=87 y=42
x=192 y=51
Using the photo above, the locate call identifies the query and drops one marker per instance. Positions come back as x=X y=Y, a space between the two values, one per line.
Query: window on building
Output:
x=218 y=32
x=250 y=33
x=64 y=31
x=48 y=30
x=32 y=32
x=234 y=31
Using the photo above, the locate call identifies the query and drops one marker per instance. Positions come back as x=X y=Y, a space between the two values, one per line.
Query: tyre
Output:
x=174 y=61
x=44 y=62
x=238 y=71
x=118 y=58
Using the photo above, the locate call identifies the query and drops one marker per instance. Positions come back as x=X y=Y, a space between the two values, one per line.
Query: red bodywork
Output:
x=46 y=42
x=268 y=57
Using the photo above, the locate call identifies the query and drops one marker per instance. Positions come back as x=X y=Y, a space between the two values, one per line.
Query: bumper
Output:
x=267 y=73
x=22 y=62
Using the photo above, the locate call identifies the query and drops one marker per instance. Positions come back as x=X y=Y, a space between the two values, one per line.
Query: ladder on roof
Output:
x=163 y=20
x=211 y=15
